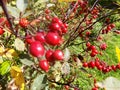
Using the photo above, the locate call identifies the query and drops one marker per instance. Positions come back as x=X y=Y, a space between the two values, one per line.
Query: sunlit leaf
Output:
x=118 y=53
x=65 y=69
x=19 y=44
x=22 y=5
x=26 y=62
x=17 y=74
x=4 y=67
x=66 y=54
x=13 y=11
x=39 y=82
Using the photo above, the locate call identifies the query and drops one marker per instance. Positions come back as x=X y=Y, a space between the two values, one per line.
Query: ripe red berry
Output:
x=88 y=44
x=99 y=67
x=112 y=25
x=94 y=88
x=91 y=64
x=29 y=39
x=47 y=11
x=49 y=55
x=118 y=66
x=36 y=49
x=44 y=65
x=113 y=67
x=66 y=87
x=23 y=22
x=57 y=20
x=1 y=31
x=54 y=27
x=58 y=55
x=85 y=64
x=103 y=46
x=92 y=54
x=52 y=38
x=40 y=37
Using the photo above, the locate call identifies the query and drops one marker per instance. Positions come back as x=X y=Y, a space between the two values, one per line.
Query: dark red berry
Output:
x=58 y=55
x=44 y=65
x=40 y=37
x=103 y=46
x=49 y=55
x=85 y=64
x=1 y=31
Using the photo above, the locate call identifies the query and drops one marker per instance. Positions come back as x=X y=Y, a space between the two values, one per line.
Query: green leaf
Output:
x=19 y=44
x=39 y=82
x=26 y=62
x=4 y=67
x=22 y=5
x=28 y=13
x=13 y=11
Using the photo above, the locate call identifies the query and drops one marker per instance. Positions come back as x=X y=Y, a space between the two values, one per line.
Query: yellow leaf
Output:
x=17 y=74
x=11 y=53
x=118 y=53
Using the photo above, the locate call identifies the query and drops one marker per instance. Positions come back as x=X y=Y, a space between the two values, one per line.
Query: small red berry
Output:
x=57 y=20
x=94 y=88
x=54 y=27
x=23 y=22
x=1 y=31
x=36 y=49
x=91 y=64
x=58 y=55
x=44 y=65
x=52 y=38
x=103 y=46
x=85 y=64
x=40 y=37
x=29 y=39
x=113 y=67
x=49 y=55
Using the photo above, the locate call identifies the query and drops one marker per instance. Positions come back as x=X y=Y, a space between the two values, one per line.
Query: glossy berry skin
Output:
x=113 y=67
x=54 y=27
x=57 y=20
x=23 y=22
x=44 y=65
x=40 y=37
x=1 y=31
x=58 y=55
x=85 y=64
x=91 y=64
x=36 y=49
x=52 y=38
x=49 y=55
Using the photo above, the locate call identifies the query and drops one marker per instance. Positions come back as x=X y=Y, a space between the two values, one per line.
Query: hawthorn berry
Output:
x=58 y=55
x=85 y=64
x=40 y=37
x=44 y=65
x=49 y=55
x=103 y=46
x=36 y=49
x=23 y=22
x=52 y=38
x=1 y=31
x=54 y=27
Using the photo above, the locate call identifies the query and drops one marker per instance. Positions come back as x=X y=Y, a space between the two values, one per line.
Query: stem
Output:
x=7 y=15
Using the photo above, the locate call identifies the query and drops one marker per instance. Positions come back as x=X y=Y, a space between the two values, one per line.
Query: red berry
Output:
x=57 y=20
x=36 y=49
x=58 y=55
x=66 y=25
x=44 y=65
x=92 y=54
x=99 y=67
x=54 y=27
x=52 y=38
x=94 y=88
x=23 y=22
x=112 y=25
x=29 y=39
x=85 y=64
x=103 y=46
x=47 y=11
x=91 y=64
x=118 y=66
x=97 y=63
x=1 y=31
x=88 y=44
x=40 y=37
x=49 y=55
x=113 y=67
x=66 y=87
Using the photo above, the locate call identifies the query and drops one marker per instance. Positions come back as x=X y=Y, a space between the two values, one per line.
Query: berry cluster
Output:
x=100 y=65
x=52 y=37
